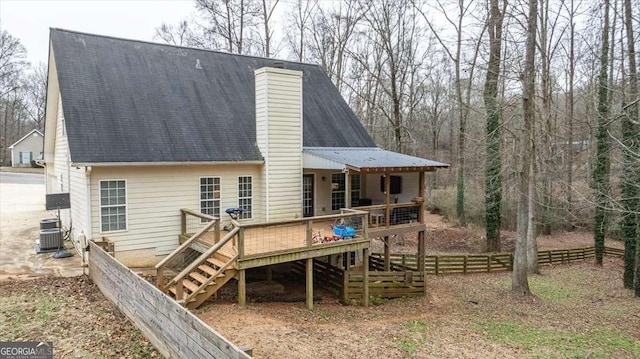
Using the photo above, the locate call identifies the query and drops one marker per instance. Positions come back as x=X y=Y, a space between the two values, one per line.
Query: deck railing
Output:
x=394 y=214
x=259 y=238
x=199 y=225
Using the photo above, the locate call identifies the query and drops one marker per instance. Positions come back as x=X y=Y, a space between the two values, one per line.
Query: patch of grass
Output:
x=556 y=291
x=553 y=291
x=554 y=343
x=45 y=307
x=616 y=310
x=414 y=338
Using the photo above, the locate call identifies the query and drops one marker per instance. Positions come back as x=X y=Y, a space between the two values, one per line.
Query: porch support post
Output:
x=347 y=189
x=309 y=297
x=421 y=251
x=387 y=255
x=242 y=288
x=421 y=193
x=365 y=277
x=387 y=191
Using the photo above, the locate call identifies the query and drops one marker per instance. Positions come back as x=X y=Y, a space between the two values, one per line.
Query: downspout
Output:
x=88 y=235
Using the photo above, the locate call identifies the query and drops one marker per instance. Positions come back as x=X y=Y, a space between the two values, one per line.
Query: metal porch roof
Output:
x=366 y=160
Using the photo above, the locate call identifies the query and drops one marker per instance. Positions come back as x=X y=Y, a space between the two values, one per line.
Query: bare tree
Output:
x=631 y=175
x=179 y=35
x=229 y=20
x=268 y=7
x=36 y=95
x=12 y=61
x=602 y=166
x=299 y=21
x=493 y=176
x=571 y=10
x=396 y=33
x=332 y=32
x=462 y=92
x=519 y=282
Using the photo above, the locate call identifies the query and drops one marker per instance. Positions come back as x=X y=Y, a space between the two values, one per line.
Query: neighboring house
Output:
x=135 y=131
x=26 y=149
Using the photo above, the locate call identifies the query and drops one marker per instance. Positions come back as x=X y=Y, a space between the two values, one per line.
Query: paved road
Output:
x=21 y=178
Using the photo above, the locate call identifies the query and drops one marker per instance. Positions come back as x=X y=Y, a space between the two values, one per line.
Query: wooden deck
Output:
x=278 y=243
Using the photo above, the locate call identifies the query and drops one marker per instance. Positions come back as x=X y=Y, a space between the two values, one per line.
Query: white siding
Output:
x=62 y=177
x=155 y=195
x=58 y=172
x=61 y=155
x=78 y=194
x=279 y=138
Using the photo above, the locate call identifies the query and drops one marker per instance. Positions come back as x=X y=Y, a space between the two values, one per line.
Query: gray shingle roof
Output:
x=133 y=101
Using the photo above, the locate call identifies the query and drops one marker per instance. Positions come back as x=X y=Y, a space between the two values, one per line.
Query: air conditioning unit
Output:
x=49 y=223
x=50 y=238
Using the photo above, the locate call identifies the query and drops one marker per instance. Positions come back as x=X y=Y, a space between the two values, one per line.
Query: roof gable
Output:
x=132 y=101
x=25 y=136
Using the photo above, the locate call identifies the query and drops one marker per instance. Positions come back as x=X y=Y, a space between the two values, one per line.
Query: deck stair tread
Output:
x=207 y=269
x=199 y=277
x=190 y=286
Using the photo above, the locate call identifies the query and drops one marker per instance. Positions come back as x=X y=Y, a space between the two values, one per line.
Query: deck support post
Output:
x=269 y=274
x=347 y=260
x=242 y=288
x=387 y=255
x=309 y=297
x=421 y=251
x=365 y=277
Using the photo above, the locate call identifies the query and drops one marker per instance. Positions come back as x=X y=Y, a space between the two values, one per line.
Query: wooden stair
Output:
x=206 y=279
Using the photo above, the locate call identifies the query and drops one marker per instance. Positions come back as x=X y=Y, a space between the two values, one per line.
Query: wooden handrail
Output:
x=204 y=256
x=212 y=278
x=184 y=245
x=198 y=214
x=160 y=266
x=302 y=220
x=391 y=205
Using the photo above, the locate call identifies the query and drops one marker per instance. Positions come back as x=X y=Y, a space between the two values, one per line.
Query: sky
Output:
x=30 y=20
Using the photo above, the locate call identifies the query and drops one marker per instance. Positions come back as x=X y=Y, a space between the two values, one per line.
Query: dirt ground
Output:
x=73 y=314
x=578 y=310
x=472 y=316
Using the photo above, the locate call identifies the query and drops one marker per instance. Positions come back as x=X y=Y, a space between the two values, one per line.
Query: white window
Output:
x=210 y=196
x=356 y=186
x=26 y=157
x=113 y=206
x=245 y=196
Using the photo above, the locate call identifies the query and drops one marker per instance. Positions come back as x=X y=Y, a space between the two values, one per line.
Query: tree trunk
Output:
x=602 y=165
x=493 y=169
x=519 y=280
x=532 y=232
x=569 y=151
x=631 y=176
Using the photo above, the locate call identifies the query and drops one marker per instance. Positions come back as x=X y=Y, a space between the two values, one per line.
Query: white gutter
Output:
x=115 y=164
